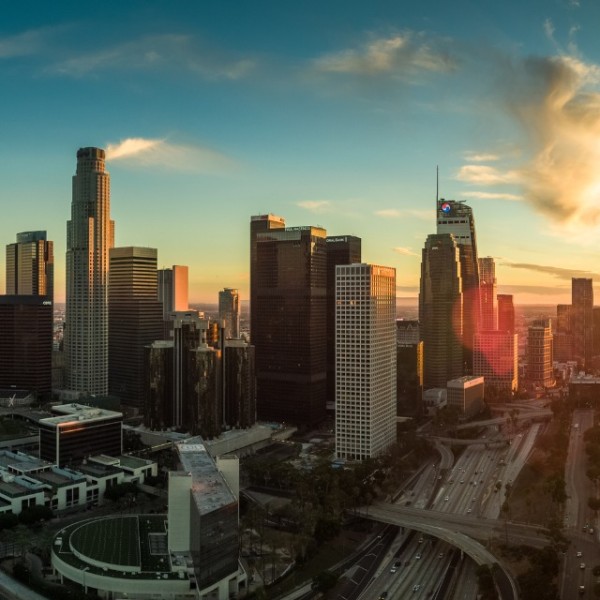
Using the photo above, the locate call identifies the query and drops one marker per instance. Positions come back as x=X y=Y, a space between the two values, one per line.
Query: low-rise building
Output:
x=467 y=394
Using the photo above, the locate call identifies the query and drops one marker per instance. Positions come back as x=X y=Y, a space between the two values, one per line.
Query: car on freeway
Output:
x=441 y=555
x=416 y=587
x=469 y=510
x=579 y=554
x=446 y=498
x=420 y=540
x=383 y=595
x=418 y=556
x=582 y=566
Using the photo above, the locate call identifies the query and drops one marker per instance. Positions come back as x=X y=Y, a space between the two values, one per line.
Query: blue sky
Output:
x=333 y=114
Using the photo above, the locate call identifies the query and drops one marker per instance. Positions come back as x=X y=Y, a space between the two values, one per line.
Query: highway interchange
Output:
x=450 y=505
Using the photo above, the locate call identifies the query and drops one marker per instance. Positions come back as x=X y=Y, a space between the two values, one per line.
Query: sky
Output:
x=325 y=113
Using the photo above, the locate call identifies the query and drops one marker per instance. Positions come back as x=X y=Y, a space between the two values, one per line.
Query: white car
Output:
x=579 y=554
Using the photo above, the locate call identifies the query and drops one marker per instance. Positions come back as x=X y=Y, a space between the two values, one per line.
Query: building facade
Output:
x=26 y=344
x=158 y=368
x=456 y=218
x=540 y=353
x=288 y=321
x=441 y=311
x=466 y=394
x=506 y=313
x=341 y=250
x=30 y=265
x=487 y=294
x=135 y=320
x=239 y=384
x=582 y=320
x=90 y=235
x=365 y=416
x=229 y=312
x=496 y=358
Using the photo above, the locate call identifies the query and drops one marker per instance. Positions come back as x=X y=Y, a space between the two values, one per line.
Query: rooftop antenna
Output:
x=437 y=187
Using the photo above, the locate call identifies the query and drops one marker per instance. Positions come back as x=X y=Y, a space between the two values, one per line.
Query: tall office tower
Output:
x=90 y=235
x=506 y=313
x=158 y=368
x=26 y=344
x=563 y=336
x=173 y=289
x=409 y=378
x=582 y=320
x=239 y=394
x=563 y=318
x=496 y=357
x=457 y=218
x=189 y=331
x=539 y=353
x=341 y=250
x=30 y=266
x=259 y=224
x=289 y=321
x=365 y=355
x=487 y=294
x=441 y=311
x=229 y=311
x=203 y=408
x=134 y=320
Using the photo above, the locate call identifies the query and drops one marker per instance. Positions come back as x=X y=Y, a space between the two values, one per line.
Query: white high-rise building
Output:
x=90 y=235
x=365 y=356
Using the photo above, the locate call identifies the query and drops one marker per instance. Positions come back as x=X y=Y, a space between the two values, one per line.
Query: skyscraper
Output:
x=441 y=310
x=487 y=293
x=341 y=250
x=135 y=320
x=173 y=289
x=539 y=353
x=229 y=312
x=506 y=313
x=288 y=320
x=582 y=320
x=90 y=235
x=30 y=265
x=456 y=217
x=259 y=224
x=365 y=423
x=26 y=343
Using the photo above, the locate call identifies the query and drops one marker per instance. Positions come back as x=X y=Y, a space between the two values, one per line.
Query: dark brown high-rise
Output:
x=26 y=343
x=288 y=289
x=341 y=250
x=582 y=320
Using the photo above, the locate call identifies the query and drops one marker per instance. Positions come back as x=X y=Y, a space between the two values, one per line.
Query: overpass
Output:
x=462 y=531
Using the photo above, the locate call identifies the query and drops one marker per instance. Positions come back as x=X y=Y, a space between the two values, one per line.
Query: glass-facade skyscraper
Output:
x=30 y=265
x=456 y=217
x=582 y=320
x=441 y=310
x=90 y=235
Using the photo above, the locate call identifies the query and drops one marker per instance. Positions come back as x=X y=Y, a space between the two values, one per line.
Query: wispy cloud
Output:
x=472 y=156
x=535 y=290
x=492 y=196
x=164 y=154
x=404 y=251
x=172 y=52
x=315 y=206
x=405 y=53
x=486 y=175
x=558 y=272
x=28 y=42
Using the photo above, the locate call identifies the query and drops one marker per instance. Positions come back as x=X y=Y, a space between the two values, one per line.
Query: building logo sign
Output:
x=445 y=207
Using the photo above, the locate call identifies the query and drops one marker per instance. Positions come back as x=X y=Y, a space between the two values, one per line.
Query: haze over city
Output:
x=332 y=115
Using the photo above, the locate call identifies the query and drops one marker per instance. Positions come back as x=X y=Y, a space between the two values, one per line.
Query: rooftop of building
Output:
x=97 y=470
x=69 y=413
x=466 y=381
x=58 y=478
x=132 y=546
x=22 y=463
x=209 y=488
x=133 y=462
x=14 y=489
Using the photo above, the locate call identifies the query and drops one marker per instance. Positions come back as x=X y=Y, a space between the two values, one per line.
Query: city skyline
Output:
x=332 y=122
